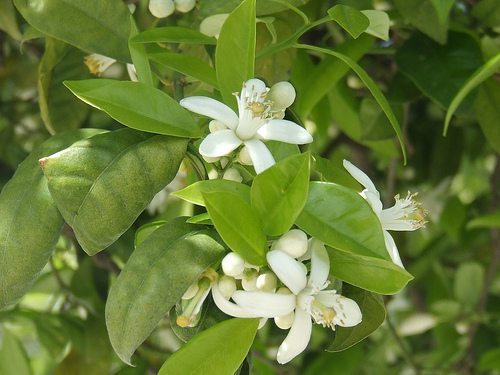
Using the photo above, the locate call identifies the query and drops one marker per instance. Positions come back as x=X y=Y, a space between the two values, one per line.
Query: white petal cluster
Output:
x=301 y=300
x=164 y=8
x=260 y=118
x=98 y=64
x=405 y=215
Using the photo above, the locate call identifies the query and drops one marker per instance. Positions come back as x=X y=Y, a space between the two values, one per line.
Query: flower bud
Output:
x=249 y=280
x=232 y=174
x=267 y=282
x=294 y=243
x=282 y=95
x=227 y=286
x=285 y=321
x=244 y=156
x=233 y=264
x=161 y=8
x=215 y=126
x=184 y=6
x=212 y=25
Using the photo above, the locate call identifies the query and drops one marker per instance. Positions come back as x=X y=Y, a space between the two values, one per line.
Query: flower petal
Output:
x=284 y=131
x=360 y=176
x=348 y=312
x=220 y=143
x=228 y=307
x=289 y=271
x=260 y=155
x=392 y=249
x=297 y=339
x=211 y=108
x=320 y=264
x=265 y=304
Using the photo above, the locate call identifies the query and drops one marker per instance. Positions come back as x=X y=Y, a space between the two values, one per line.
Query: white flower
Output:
x=98 y=64
x=259 y=119
x=303 y=299
x=405 y=215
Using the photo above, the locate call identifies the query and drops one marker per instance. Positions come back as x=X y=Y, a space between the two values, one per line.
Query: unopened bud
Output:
x=184 y=6
x=294 y=243
x=215 y=126
x=281 y=95
x=249 y=280
x=161 y=8
x=244 y=156
x=212 y=25
x=233 y=264
x=227 y=286
x=285 y=321
x=267 y=282
x=232 y=174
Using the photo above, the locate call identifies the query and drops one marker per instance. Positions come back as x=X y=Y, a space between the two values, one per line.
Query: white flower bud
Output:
x=294 y=243
x=212 y=25
x=223 y=162
x=285 y=321
x=249 y=280
x=161 y=8
x=232 y=174
x=213 y=174
x=233 y=264
x=244 y=156
x=184 y=6
x=191 y=291
x=282 y=95
x=215 y=126
x=267 y=282
x=227 y=286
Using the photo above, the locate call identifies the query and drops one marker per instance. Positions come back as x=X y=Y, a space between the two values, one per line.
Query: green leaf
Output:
x=339 y=363
x=264 y=7
x=102 y=184
x=203 y=218
x=13 y=358
x=8 y=22
x=488 y=12
x=342 y=219
x=202 y=355
x=31 y=222
x=194 y=192
x=489 y=68
x=439 y=71
x=154 y=278
x=137 y=106
x=139 y=57
x=145 y=231
x=373 y=310
x=490 y=360
x=322 y=78
x=373 y=274
x=485 y=221
x=173 y=34
x=188 y=65
x=443 y=8
x=59 y=109
x=468 y=284
x=374 y=124
x=280 y=193
x=350 y=19
x=235 y=52
x=371 y=85
x=425 y=17
x=379 y=23
x=238 y=224
x=93 y=25
x=488 y=111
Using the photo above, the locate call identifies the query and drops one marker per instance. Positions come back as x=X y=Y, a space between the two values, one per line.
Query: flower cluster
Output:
x=260 y=117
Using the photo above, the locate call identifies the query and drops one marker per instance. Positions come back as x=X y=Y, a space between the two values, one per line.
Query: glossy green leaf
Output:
x=137 y=106
x=485 y=221
x=439 y=71
x=194 y=192
x=443 y=8
x=202 y=355
x=342 y=219
x=145 y=231
x=235 y=52
x=425 y=17
x=93 y=25
x=372 y=274
x=188 y=65
x=338 y=363
x=484 y=72
x=374 y=123
x=379 y=23
x=350 y=19
x=488 y=111
x=155 y=277
x=139 y=57
x=238 y=224
x=328 y=73
x=373 y=310
x=102 y=184
x=372 y=87
x=203 y=218
x=173 y=34
x=8 y=22
x=264 y=7
x=468 y=284
x=31 y=222
x=13 y=358
x=59 y=109
x=279 y=193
